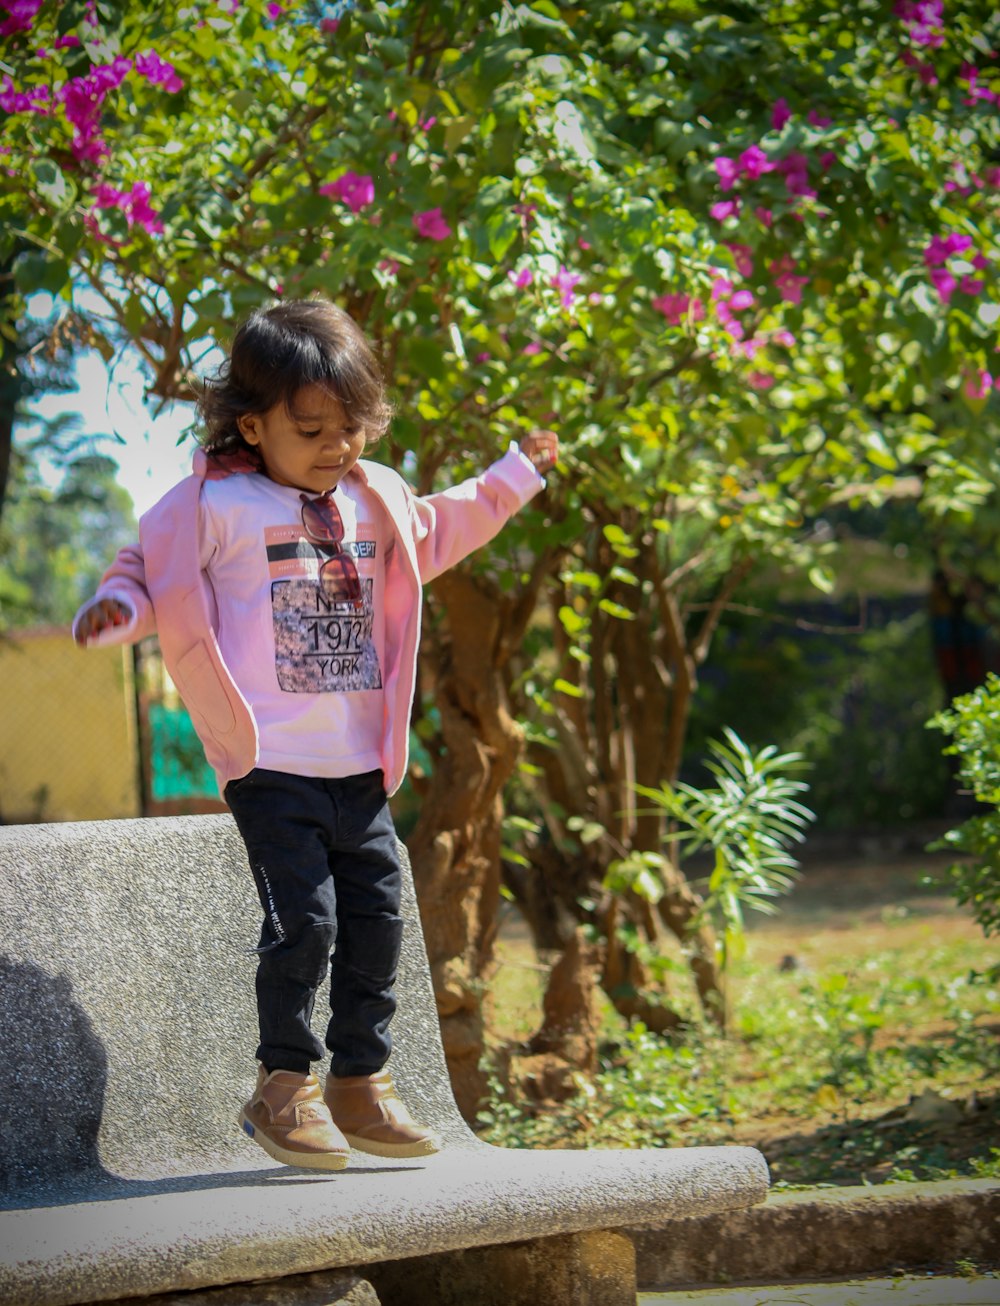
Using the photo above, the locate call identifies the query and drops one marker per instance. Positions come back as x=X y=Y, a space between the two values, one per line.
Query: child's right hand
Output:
x=101 y=614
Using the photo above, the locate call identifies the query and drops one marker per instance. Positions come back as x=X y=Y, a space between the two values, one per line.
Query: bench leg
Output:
x=577 y=1269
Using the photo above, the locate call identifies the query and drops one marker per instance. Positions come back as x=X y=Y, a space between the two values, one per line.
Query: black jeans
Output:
x=323 y=856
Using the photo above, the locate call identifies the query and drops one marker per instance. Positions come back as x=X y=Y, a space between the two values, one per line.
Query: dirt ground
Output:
x=850 y=904
x=851 y=907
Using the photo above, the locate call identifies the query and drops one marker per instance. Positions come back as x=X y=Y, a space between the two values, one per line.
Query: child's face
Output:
x=309 y=445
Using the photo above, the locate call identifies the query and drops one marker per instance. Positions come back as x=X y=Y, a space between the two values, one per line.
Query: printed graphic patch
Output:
x=320 y=645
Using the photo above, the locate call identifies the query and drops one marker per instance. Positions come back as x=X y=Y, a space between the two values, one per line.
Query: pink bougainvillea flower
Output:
x=783 y=337
x=107 y=196
x=780 y=114
x=754 y=162
x=923 y=34
x=34 y=100
x=140 y=211
x=789 y=287
x=970 y=73
x=521 y=279
x=82 y=98
x=274 y=10
x=722 y=288
x=728 y=170
x=671 y=306
x=766 y=216
x=971 y=285
x=941 y=248
x=425 y=124
x=817 y=119
x=925 y=71
x=980 y=262
x=483 y=356
x=533 y=348
x=389 y=265
x=787 y=283
x=133 y=203
x=676 y=307
x=742 y=299
x=158 y=71
x=583 y=244
x=749 y=348
x=725 y=209
x=742 y=257
x=565 y=282
x=329 y=25
x=923 y=20
x=978 y=384
x=760 y=380
x=431 y=224
x=795 y=167
x=827 y=159
x=354 y=189
x=22 y=16
x=944 y=283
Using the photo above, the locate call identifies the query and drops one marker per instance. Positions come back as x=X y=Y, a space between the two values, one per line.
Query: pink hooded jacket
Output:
x=161 y=580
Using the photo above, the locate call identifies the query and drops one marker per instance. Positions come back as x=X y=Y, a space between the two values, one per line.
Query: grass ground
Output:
x=863 y=1047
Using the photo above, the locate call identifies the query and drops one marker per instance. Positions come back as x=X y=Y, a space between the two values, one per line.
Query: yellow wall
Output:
x=68 y=749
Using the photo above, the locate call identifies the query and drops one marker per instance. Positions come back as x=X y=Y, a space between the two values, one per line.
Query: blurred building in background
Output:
x=94 y=735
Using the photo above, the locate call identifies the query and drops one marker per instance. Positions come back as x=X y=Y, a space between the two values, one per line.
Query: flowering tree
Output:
x=743 y=258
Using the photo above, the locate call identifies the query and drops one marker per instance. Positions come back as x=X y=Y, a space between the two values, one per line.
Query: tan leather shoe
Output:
x=374 y=1118
x=289 y=1119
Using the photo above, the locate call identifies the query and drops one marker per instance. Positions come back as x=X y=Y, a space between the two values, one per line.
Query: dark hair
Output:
x=278 y=350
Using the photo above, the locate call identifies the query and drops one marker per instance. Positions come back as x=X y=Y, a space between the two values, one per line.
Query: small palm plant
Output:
x=750 y=820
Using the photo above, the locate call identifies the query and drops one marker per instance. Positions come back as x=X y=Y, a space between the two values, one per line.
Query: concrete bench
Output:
x=127 y=1029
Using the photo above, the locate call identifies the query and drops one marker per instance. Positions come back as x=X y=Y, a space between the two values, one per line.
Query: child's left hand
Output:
x=542 y=447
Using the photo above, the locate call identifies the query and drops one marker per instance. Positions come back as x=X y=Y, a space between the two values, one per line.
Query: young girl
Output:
x=283 y=579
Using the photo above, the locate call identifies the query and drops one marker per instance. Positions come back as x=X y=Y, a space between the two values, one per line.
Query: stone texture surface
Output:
x=128 y=1029
x=172 y=1234
x=832 y=1232
x=327 y=1288
x=126 y=972
x=588 y=1269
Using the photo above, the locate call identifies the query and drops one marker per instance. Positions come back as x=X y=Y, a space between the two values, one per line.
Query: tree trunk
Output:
x=455 y=846
x=627 y=727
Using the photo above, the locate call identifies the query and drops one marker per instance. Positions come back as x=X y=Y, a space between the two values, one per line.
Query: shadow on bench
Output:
x=128 y=1027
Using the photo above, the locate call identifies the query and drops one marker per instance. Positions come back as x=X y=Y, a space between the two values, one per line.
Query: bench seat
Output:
x=128 y=1027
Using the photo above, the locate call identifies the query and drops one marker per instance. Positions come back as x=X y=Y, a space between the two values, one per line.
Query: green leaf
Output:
x=50 y=182
x=502 y=229
x=35 y=271
x=564 y=687
x=572 y=621
x=616 y=610
x=822 y=578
